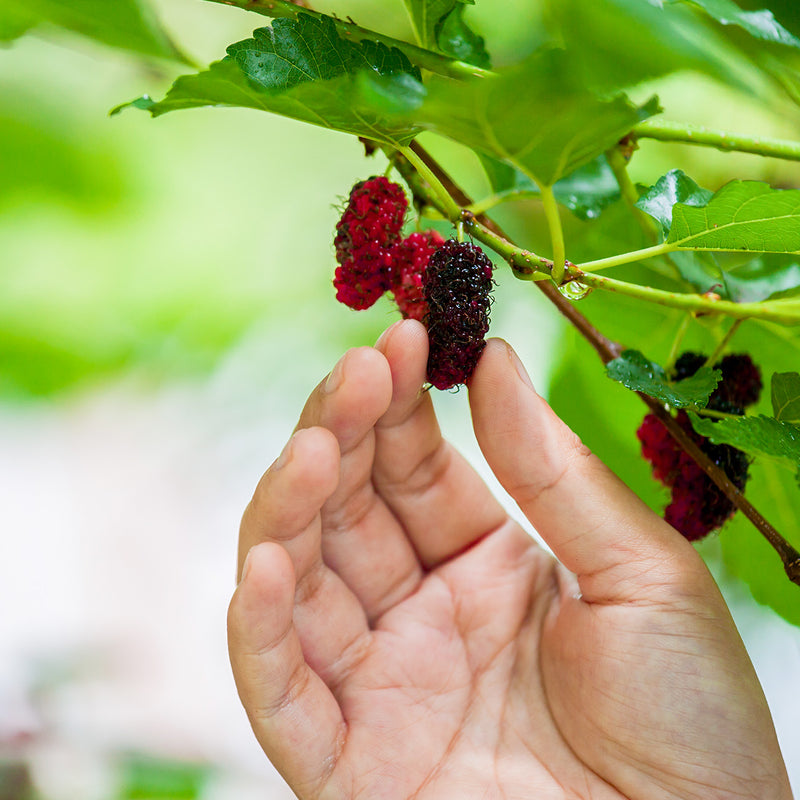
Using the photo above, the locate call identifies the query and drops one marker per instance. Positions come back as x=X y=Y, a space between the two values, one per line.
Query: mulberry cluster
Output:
x=697 y=505
x=365 y=238
x=456 y=289
x=443 y=284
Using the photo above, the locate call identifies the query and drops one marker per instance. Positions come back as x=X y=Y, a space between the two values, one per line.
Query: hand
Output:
x=395 y=634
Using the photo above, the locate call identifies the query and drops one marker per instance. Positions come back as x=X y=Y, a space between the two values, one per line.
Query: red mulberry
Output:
x=411 y=261
x=697 y=505
x=456 y=289
x=365 y=237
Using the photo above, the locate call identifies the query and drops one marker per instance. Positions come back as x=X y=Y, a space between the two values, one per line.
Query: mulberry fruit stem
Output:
x=556 y=234
x=446 y=203
x=724 y=342
x=488 y=232
x=680 y=334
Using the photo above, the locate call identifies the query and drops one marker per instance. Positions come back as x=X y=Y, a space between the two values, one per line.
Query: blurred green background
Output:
x=165 y=298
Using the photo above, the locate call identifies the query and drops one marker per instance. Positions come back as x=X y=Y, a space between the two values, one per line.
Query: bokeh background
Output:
x=165 y=307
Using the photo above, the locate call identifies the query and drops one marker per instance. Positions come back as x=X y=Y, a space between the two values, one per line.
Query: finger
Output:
x=285 y=509
x=442 y=503
x=595 y=525
x=362 y=541
x=294 y=716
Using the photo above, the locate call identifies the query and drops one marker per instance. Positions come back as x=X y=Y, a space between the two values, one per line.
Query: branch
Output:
x=486 y=230
x=692 y=134
x=427 y=59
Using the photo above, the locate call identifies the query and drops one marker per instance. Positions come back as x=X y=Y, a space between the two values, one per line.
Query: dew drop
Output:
x=574 y=290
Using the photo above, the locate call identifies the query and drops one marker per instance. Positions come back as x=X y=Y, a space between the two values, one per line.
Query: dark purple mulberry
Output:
x=456 y=289
x=697 y=506
x=741 y=379
x=366 y=235
x=411 y=260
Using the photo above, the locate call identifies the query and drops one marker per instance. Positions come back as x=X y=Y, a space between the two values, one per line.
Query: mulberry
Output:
x=456 y=290
x=411 y=261
x=697 y=505
x=366 y=235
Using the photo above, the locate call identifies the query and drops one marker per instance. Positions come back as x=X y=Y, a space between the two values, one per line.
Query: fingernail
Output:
x=246 y=566
x=384 y=337
x=286 y=455
x=521 y=371
x=335 y=378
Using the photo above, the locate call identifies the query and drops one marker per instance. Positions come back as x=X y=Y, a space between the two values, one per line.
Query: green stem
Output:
x=446 y=204
x=692 y=134
x=696 y=303
x=427 y=59
x=720 y=348
x=556 y=233
x=526 y=264
x=627 y=258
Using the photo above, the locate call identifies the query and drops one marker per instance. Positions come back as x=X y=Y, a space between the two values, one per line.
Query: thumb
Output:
x=597 y=527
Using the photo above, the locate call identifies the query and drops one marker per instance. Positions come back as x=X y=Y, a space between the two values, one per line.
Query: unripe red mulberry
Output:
x=411 y=260
x=366 y=234
x=697 y=505
x=456 y=289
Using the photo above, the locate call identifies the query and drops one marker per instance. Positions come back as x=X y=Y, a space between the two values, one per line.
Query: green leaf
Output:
x=614 y=44
x=759 y=36
x=637 y=372
x=14 y=22
x=455 y=38
x=766 y=276
x=756 y=435
x=757 y=280
x=125 y=24
x=698 y=269
x=440 y=25
x=586 y=192
x=530 y=116
x=305 y=70
x=674 y=187
x=741 y=216
x=310 y=49
x=760 y=24
x=786 y=396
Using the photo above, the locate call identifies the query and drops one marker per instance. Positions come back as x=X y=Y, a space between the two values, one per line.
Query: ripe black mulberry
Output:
x=456 y=290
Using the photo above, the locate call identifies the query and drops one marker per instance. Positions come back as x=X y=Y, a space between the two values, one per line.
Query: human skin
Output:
x=395 y=634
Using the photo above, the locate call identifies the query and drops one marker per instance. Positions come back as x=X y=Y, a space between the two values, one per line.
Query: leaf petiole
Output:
x=556 y=233
x=691 y=134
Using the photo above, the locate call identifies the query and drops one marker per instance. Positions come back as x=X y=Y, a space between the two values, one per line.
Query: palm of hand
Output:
x=401 y=637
